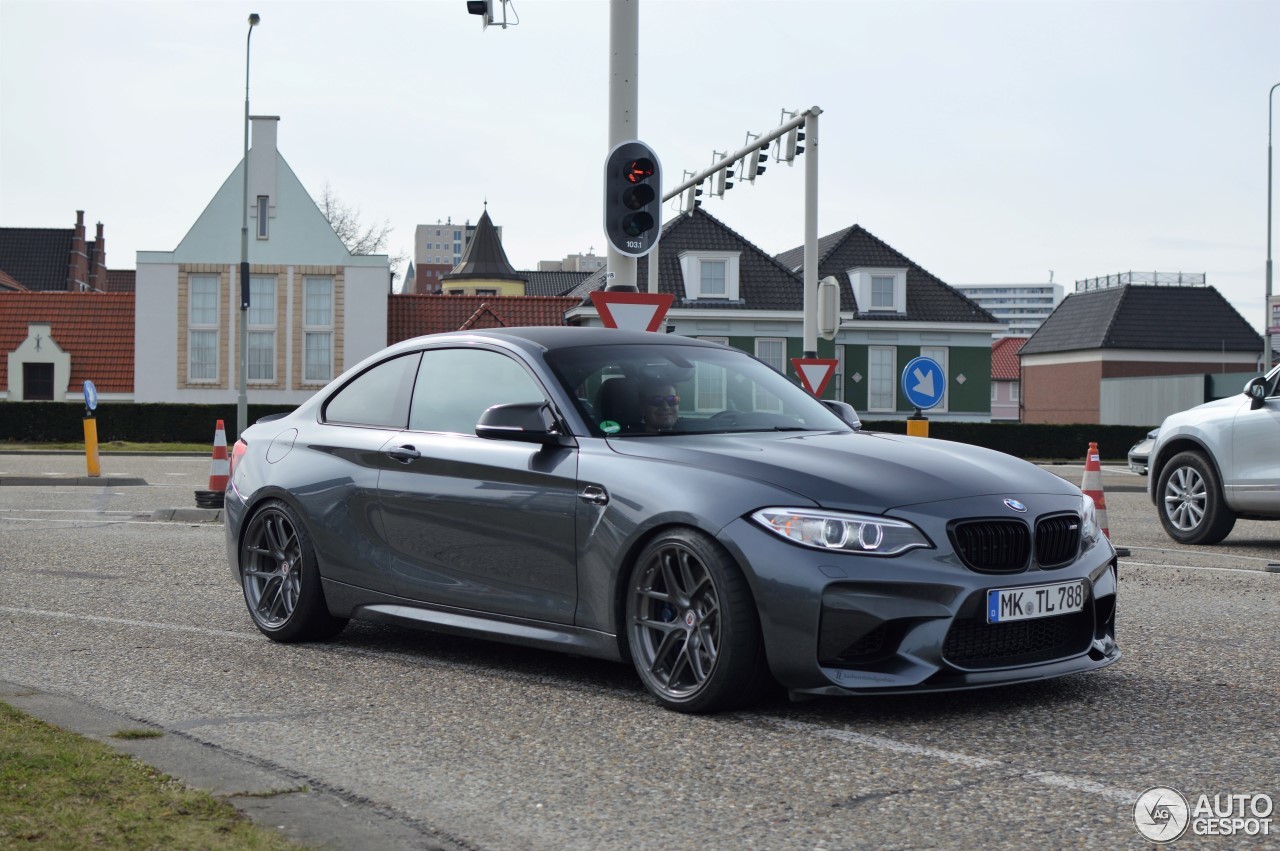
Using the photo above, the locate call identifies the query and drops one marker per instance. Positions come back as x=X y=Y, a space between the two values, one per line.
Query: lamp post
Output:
x=1266 y=305
x=242 y=401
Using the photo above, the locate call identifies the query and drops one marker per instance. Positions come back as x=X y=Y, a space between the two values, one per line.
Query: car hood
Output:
x=1201 y=413
x=862 y=471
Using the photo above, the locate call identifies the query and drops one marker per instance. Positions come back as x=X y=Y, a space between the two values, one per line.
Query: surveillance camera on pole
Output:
x=632 y=198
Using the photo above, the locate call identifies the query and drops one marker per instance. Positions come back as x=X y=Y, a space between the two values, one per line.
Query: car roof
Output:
x=547 y=337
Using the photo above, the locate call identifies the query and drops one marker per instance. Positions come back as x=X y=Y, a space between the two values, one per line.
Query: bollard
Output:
x=91 y=447
x=918 y=425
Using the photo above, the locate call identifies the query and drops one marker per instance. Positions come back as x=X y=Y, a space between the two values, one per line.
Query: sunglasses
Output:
x=659 y=401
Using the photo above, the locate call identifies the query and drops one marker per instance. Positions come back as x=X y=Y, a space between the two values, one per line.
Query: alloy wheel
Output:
x=675 y=621
x=271 y=568
x=1185 y=498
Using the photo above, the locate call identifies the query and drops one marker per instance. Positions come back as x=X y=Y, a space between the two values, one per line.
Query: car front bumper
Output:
x=835 y=623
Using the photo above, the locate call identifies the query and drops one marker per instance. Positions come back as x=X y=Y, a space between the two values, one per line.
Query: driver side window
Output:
x=456 y=386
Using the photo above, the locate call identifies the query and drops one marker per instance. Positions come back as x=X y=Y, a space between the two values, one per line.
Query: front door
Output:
x=473 y=523
x=1255 y=443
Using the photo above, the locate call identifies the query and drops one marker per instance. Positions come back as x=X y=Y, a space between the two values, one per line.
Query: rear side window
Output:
x=455 y=386
x=379 y=396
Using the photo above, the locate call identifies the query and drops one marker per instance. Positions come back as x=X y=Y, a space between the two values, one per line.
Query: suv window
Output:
x=379 y=396
x=455 y=386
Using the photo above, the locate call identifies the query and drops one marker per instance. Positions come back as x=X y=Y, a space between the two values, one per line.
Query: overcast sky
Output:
x=988 y=141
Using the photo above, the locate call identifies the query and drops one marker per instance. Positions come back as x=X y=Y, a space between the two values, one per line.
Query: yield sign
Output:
x=815 y=373
x=632 y=311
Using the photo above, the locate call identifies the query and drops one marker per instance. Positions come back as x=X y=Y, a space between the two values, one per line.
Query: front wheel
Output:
x=280 y=579
x=1192 y=508
x=692 y=625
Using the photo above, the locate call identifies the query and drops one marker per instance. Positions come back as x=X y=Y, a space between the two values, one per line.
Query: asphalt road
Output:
x=395 y=738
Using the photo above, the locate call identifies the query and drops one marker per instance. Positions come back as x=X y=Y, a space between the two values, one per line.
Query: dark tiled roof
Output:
x=929 y=299
x=763 y=283
x=552 y=283
x=37 y=258
x=484 y=257
x=415 y=315
x=1005 y=365
x=121 y=280
x=1145 y=318
x=96 y=329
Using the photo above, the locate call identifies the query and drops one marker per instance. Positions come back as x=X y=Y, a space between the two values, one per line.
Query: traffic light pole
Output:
x=624 y=51
x=811 y=234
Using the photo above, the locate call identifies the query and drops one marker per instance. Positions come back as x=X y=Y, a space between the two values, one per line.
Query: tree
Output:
x=358 y=238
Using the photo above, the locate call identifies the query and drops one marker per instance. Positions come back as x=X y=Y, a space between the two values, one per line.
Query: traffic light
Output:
x=790 y=145
x=632 y=198
x=751 y=164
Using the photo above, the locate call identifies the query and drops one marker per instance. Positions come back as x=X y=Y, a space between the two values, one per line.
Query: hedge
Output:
x=50 y=422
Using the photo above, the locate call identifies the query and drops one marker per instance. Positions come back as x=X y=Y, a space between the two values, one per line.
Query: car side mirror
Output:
x=527 y=422
x=1256 y=390
x=844 y=411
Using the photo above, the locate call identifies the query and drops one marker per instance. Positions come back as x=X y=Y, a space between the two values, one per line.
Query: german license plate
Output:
x=1034 y=601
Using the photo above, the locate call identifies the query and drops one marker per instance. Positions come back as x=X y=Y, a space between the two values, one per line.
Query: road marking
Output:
x=1254 y=571
x=1048 y=778
x=1201 y=553
x=163 y=627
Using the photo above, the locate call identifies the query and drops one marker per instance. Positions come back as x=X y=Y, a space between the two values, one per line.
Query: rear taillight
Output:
x=237 y=452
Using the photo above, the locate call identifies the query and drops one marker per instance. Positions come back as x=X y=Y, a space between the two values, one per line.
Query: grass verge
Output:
x=61 y=790
x=112 y=446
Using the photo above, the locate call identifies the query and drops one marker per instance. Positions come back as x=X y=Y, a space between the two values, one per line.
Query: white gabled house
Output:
x=315 y=308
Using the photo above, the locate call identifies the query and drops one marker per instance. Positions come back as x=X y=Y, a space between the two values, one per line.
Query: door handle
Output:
x=404 y=454
x=594 y=494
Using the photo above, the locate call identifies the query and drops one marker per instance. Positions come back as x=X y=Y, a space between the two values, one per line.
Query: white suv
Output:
x=1219 y=461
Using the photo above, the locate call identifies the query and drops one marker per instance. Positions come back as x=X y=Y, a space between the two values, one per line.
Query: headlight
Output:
x=1089 y=529
x=848 y=533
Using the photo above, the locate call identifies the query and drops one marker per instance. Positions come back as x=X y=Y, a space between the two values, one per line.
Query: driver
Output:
x=659 y=405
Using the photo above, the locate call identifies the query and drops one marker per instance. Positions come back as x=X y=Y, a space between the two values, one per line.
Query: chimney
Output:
x=98 y=263
x=262 y=169
x=78 y=262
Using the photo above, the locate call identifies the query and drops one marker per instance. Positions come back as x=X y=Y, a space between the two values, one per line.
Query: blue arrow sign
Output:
x=90 y=395
x=923 y=382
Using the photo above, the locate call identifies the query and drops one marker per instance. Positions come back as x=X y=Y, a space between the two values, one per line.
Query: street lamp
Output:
x=242 y=402
x=1266 y=305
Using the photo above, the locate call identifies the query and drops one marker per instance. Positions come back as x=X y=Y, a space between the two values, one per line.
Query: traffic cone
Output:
x=219 y=472
x=1091 y=484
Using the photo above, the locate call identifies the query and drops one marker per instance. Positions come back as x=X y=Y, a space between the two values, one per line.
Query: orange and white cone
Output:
x=219 y=472
x=1091 y=484
x=220 y=466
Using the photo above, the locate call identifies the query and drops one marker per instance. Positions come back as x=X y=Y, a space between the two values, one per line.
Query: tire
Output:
x=1192 y=508
x=692 y=626
x=280 y=579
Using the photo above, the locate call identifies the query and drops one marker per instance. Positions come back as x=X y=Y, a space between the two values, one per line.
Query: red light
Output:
x=237 y=452
x=638 y=170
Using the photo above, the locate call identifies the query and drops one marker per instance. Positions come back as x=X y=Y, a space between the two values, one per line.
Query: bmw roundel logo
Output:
x=1016 y=506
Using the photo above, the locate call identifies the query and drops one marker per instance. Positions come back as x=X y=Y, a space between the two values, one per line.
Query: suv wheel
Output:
x=1192 y=509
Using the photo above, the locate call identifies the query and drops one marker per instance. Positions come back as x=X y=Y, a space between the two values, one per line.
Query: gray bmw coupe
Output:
x=669 y=502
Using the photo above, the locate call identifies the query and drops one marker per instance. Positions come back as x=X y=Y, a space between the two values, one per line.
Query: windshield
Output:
x=663 y=390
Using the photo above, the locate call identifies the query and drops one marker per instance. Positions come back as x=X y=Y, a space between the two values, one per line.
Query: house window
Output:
x=995 y=391
x=938 y=354
x=37 y=382
x=837 y=380
x=882 y=292
x=317 y=329
x=486 y=292
x=881 y=363
x=202 y=328
x=709 y=382
x=710 y=275
x=263 y=207
x=773 y=351
x=1013 y=391
x=879 y=290
x=262 y=328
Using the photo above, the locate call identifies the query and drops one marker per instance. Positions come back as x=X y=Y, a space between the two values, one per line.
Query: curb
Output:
x=281 y=801
x=100 y=481
x=187 y=515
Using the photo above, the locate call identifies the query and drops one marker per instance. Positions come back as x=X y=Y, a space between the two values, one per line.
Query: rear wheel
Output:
x=1192 y=508
x=280 y=579
x=692 y=625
